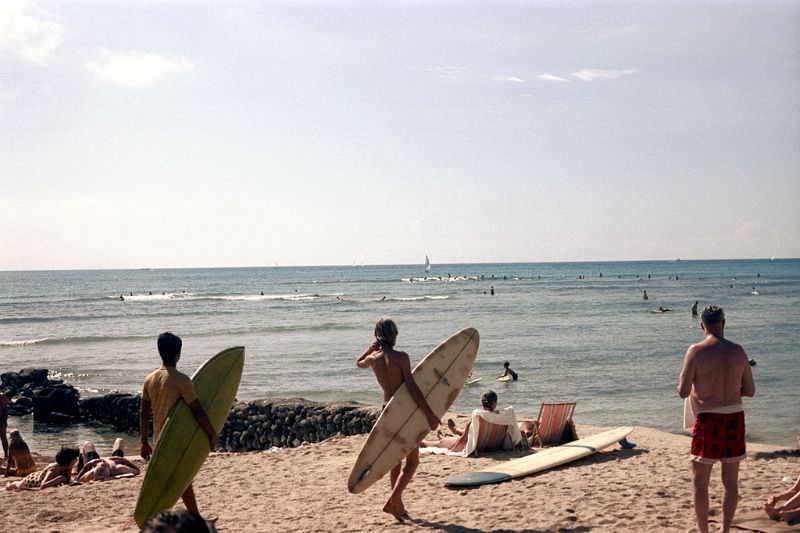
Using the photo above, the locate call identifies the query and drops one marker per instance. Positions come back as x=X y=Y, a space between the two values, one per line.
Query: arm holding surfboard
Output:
x=375 y=353
x=197 y=410
x=413 y=389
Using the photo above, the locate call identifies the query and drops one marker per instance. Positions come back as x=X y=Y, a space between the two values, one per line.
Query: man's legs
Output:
x=395 y=505
x=730 y=496
x=189 y=501
x=701 y=473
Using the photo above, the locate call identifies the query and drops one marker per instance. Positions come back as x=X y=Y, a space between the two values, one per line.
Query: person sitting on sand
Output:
x=508 y=372
x=488 y=402
x=790 y=509
x=99 y=469
x=528 y=428
x=20 y=461
x=52 y=475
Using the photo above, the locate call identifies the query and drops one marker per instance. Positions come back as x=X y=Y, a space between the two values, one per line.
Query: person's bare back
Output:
x=388 y=366
x=720 y=372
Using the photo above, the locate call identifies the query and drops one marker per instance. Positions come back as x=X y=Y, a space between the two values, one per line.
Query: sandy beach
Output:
x=304 y=489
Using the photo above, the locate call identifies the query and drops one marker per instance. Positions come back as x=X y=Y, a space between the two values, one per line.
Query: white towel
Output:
x=690 y=411
x=506 y=417
x=688 y=414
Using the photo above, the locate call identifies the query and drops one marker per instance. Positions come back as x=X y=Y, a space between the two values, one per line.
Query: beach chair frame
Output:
x=551 y=422
x=492 y=437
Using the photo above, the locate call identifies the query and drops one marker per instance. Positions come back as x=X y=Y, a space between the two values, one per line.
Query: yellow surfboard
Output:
x=440 y=376
x=183 y=445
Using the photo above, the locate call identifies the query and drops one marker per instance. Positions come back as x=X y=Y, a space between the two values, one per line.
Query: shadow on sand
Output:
x=455 y=528
x=777 y=454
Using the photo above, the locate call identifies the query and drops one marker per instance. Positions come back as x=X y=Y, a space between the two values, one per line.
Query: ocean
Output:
x=573 y=331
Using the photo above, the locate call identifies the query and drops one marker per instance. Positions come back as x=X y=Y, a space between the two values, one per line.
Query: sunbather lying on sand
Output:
x=99 y=469
x=52 y=475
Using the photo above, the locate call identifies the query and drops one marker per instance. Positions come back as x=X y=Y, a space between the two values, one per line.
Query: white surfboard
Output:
x=402 y=424
x=541 y=460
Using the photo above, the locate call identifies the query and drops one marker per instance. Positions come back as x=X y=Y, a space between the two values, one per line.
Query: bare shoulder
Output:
x=399 y=357
x=736 y=349
x=692 y=350
x=733 y=345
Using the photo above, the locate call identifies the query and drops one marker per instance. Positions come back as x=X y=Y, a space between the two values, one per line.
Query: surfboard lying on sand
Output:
x=402 y=424
x=540 y=461
x=183 y=445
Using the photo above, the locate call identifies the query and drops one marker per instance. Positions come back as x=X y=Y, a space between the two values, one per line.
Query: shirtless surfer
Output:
x=715 y=376
x=392 y=369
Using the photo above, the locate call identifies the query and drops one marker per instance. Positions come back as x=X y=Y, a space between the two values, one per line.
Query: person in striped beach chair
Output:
x=488 y=430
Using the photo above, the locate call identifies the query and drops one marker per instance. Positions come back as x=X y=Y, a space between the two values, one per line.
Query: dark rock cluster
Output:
x=256 y=425
x=30 y=391
x=262 y=424
x=121 y=411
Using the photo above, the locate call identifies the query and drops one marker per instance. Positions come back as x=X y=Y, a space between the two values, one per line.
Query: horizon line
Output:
x=370 y=265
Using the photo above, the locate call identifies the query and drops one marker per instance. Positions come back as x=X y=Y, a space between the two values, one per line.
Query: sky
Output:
x=200 y=134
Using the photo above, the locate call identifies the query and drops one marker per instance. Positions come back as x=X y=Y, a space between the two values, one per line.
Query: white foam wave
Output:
x=432 y=279
x=156 y=297
x=418 y=298
x=258 y=297
x=27 y=342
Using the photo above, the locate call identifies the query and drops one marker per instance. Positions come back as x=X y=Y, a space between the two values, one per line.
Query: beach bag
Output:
x=569 y=433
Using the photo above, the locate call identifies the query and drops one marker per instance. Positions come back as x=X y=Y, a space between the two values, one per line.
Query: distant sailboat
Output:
x=427 y=264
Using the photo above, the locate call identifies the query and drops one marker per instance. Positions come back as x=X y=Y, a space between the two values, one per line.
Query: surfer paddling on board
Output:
x=392 y=369
x=508 y=374
x=162 y=388
x=715 y=375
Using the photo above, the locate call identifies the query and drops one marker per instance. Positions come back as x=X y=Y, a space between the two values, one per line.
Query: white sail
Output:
x=427 y=264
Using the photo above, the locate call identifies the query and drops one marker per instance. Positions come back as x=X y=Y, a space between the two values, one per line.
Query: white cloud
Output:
x=139 y=70
x=551 y=77
x=591 y=74
x=6 y=100
x=508 y=78
x=449 y=73
x=28 y=32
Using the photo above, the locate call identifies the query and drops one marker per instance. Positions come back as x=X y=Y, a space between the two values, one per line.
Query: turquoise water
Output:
x=571 y=333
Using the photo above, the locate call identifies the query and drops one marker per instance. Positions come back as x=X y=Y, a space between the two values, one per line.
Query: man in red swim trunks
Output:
x=716 y=374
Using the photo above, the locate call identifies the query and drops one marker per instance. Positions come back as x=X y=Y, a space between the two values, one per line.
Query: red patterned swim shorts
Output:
x=718 y=437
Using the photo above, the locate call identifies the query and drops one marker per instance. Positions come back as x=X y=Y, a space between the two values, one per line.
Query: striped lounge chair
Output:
x=489 y=432
x=553 y=418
